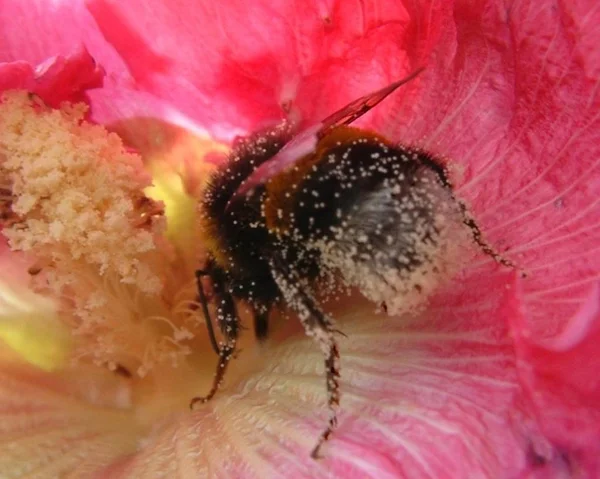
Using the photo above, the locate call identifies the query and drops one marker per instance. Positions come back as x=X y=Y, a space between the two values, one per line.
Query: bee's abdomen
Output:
x=377 y=214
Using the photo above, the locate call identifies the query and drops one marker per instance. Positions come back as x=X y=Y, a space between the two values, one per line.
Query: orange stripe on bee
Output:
x=280 y=190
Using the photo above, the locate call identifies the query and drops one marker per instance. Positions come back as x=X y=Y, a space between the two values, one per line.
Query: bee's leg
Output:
x=466 y=217
x=228 y=321
x=321 y=328
x=468 y=220
x=204 y=305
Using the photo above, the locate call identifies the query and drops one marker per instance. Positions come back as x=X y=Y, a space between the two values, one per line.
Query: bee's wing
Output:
x=306 y=141
x=359 y=107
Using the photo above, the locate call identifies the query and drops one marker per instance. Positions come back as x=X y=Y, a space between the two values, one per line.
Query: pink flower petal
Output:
x=63 y=31
x=56 y=80
x=48 y=429
x=60 y=79
x=510 y=98
x=44 y=52
x=249 y=64
x=426 y=397
x=33 y=32
x=560 y=379
x=14 y=75
x=36 y=31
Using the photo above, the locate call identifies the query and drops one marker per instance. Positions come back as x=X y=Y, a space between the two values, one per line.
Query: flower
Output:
x=494 y=379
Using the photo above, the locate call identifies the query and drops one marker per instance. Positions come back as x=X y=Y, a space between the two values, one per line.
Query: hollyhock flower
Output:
x=494 y=377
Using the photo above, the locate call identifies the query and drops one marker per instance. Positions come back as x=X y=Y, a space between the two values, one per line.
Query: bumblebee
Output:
x=334 y=204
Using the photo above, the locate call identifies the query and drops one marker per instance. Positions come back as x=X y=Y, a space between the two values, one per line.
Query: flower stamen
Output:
x=72 y=198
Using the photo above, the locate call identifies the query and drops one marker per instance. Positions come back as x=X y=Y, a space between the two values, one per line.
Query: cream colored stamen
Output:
x=72 y=198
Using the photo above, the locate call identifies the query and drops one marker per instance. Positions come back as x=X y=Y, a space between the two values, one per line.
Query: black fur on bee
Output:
x=363 y=210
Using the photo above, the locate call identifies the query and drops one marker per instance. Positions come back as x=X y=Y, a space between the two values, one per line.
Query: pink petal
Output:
x=510 y=98
x=249 y=64
x=427 y=397
x=61 y=79
x=560 y=379
x=56 y=80
x=48 y=428
x=36 y=31
x=14 y=75
x=56 y=36
x=33 y=32
x=43 y=50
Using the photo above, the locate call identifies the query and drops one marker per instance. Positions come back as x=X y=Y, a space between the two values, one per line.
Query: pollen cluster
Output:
x=76 y=192
x=73 y=201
